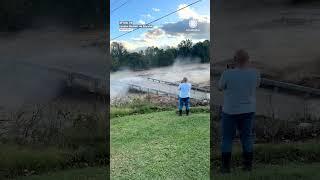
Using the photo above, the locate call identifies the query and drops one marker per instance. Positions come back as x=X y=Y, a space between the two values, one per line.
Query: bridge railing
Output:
x=158 y=91
x=269 y=83
x=177 y=84
x=290 y=86
x=94 y=84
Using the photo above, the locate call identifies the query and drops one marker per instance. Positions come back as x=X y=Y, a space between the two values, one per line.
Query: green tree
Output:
x=118 y=55
x=135 y=61
x=184 y=48
x=157 y=57
x=202 y=50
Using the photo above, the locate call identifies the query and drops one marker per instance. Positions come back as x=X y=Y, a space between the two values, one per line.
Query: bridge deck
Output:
x=177 y=84
x=165 y=88
x=94 y=83
x=291 y=87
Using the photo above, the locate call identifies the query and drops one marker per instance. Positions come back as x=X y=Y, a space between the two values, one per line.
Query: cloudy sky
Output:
x=168 y=31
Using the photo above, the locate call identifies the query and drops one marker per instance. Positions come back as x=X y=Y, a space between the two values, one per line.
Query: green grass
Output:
x=126 y=111
x=261 y=172
x=146 y=109
x=276 y=172
x=306 y=152
x=292 y=161
x=160 y=145
x=91 y=173
x=21 y=160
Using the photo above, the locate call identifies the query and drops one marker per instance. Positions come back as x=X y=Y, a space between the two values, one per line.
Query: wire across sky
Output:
x=157 y=19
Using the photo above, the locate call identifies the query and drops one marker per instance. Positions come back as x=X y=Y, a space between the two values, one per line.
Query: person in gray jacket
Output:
x=239 y=106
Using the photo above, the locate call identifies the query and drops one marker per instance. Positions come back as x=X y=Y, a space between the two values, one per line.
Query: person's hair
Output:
x=241 y=56
x=184 y=80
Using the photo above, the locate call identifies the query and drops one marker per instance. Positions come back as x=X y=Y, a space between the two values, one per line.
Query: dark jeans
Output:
x=184 y=102
x=244 y=123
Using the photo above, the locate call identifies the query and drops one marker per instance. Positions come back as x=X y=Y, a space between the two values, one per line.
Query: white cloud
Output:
x=180 y=27
x=188 y=13
x=154 y=34
x=156 y=9
x=147 y=16
x=128 y=45
x=140 y=43
x=141 y=22
x=167 y=35
x=155 y=37
x=170 y=33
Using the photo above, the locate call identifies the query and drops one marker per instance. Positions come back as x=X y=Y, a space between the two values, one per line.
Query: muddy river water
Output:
x=282 y=105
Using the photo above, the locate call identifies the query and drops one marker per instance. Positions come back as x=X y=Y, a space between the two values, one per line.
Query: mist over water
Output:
x=195 y=72
x=282 y=38
x=278 y=34
x=22 y=77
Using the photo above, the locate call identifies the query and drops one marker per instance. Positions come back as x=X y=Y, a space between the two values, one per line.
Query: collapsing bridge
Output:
x=92 y=82
x=161 y=87
x=97 y=84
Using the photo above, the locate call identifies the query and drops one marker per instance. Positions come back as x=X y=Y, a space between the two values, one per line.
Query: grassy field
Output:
x=91 y=173
x=160 y=145
x=261 y=172
x=297 y=152
x=277 y=172
x=20 y=160
x=149 y=142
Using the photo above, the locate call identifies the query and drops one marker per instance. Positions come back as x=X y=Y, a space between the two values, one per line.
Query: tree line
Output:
x=158 y=57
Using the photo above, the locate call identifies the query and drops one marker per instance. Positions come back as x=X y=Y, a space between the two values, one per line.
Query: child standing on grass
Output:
x=184 y=95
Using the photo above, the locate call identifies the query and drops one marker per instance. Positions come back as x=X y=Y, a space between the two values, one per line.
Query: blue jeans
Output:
x=184 y=102
x=244 y=123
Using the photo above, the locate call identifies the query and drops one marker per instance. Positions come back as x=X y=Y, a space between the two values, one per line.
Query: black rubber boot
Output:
x=225 y=162
x=187 y=112
x=247 y=161
x=180 y=112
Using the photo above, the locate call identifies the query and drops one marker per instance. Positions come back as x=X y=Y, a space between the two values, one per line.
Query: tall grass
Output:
x=143 y=105
x=269 y=130
x=52 y=137
x=21 y=160
x=303 y=152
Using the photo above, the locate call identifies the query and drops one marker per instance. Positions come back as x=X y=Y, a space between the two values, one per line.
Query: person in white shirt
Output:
x=184 y=96
x=239 y=106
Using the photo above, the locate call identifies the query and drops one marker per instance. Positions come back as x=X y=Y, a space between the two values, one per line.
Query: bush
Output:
x=52 y=137
x=148 y=104
x=137 y=105
x=56 y=125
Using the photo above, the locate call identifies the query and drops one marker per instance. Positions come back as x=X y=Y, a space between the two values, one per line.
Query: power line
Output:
x=119 y=6
x=158 y=19
x=114 y=1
